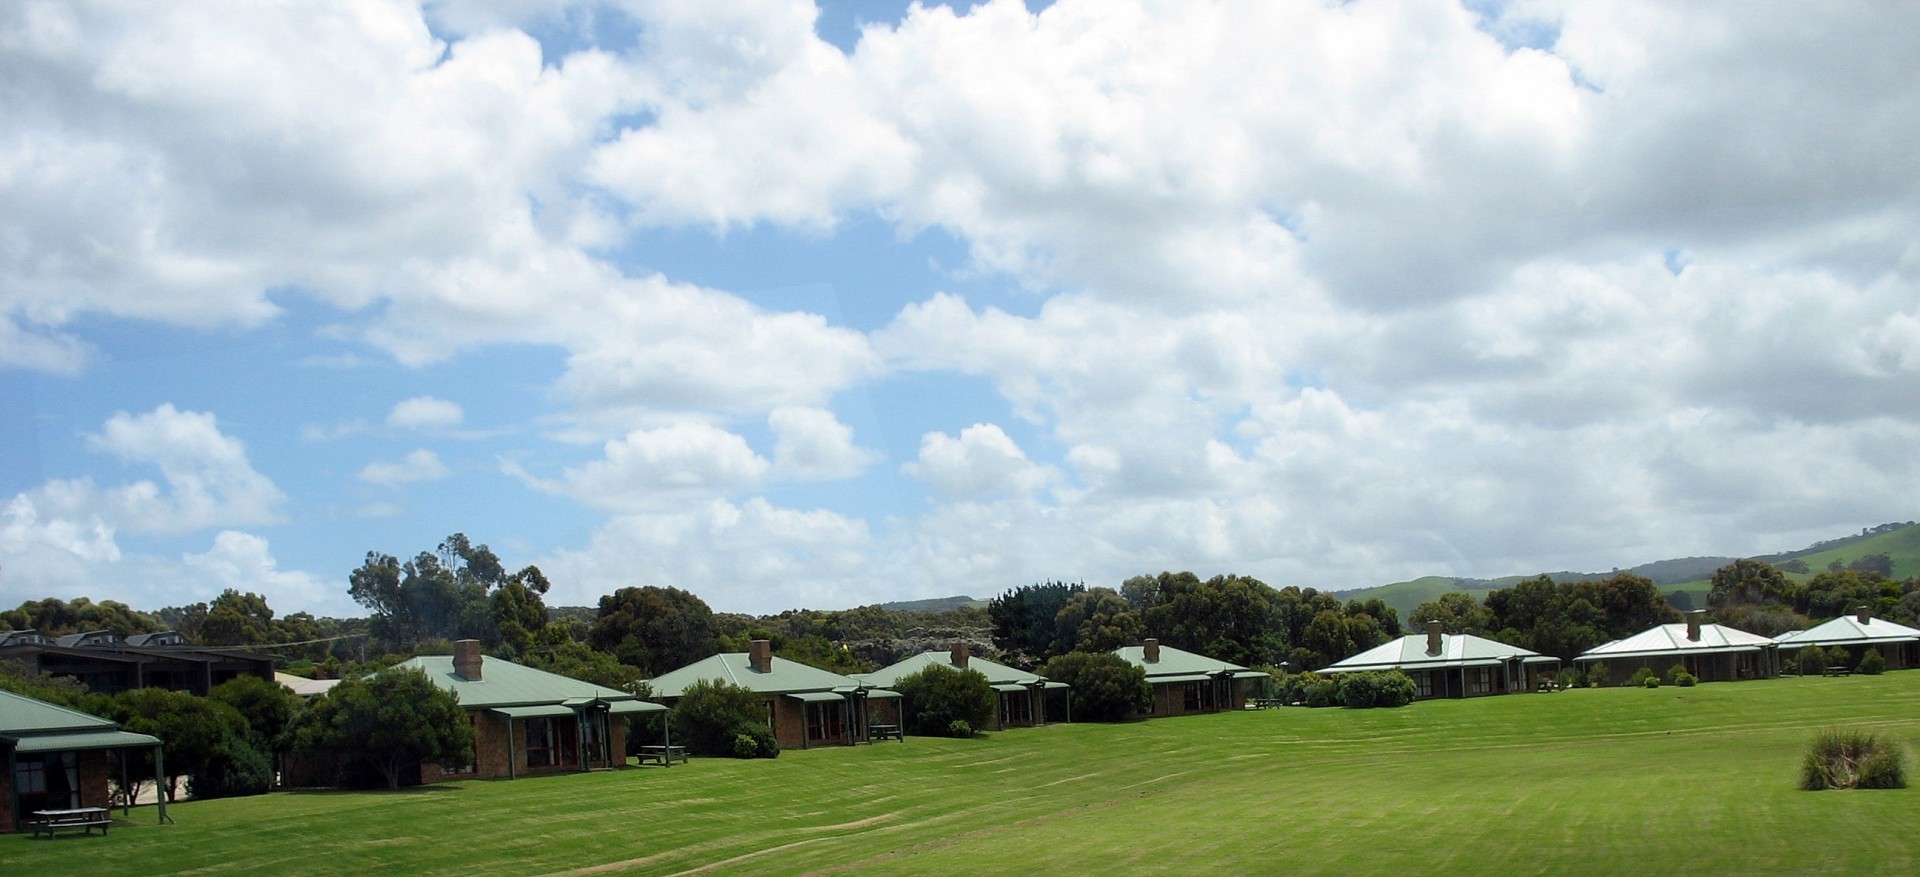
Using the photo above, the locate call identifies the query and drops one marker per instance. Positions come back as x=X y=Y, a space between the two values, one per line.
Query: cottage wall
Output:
x=6 y=802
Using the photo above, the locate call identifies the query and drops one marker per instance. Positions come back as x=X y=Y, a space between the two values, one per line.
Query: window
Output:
x=1192 y=696
x=826 y=721
x=47 y=782
x=1015 y=708
x=1480 y=681
x=1423 y=683
x=539 y=742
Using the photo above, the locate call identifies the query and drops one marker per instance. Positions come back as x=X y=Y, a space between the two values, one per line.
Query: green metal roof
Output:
x=1671 y=639
x=21 y=716
x=995 y=672
x=504 y=683
x=534 y=712
x=817 y=696
x=84 y=740
x=1173 y=662
x=1456 y=650
x=1849 y=630
x=783 y=676
x=624 y=707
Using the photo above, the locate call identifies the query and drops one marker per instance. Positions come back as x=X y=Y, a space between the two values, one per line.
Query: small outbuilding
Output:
x=1184 y=682
x=1020 y=697
x=56 y=759
x=1710 y=652
x=529 y=721
x=1898 y=643
x=806 y=706
x=1455 y=665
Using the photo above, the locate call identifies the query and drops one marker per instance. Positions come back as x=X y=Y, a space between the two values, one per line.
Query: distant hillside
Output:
x=1685 y=575
x=937 y=604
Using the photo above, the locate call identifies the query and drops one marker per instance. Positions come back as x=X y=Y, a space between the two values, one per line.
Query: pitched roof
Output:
x=996 y=673
x=1849 y=630
x=504 y=683
x=736 y=667
x=1671 y=639
x=1456 y=650
x=1176 y=662
x=22 y=716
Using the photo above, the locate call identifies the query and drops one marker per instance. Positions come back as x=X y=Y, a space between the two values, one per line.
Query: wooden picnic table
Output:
x=87 y=818
x=1839 y=670
x=885 y=732
x=662 y=755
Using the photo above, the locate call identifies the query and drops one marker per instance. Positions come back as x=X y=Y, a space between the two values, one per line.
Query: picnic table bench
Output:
x=885 y=732
x=1839 y=670
x=87 y=818
x=1267 y=703
x=662 y=755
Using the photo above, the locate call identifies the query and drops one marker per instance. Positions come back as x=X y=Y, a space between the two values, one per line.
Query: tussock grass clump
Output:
x=1847 y=758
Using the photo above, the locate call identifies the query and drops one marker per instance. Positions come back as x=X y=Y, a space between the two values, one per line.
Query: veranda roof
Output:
x=1849 y=630
x=84 y=741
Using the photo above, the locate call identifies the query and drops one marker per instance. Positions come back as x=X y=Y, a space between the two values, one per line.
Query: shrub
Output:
x=1105 y=687
x=744 y=746
x=1852 y=759
x=1872 y=663
x=1675 y=672
x=712 y=715
x=1652 y=682
x=1371 y=689
x=1812 y=661
x=1644 y=677
x=959 y=728
x=1597 y=674
x=1568 y=678
x=939 y=697
x=1685 y=679
x=1318 y=691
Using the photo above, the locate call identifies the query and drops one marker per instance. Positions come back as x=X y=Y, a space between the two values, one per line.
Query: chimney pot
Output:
x=1693 y=624
x=1433 y=637
x=1150 y=650
x=467 y=660
x=1861 y=614
x=961 y=651
x=760 y=656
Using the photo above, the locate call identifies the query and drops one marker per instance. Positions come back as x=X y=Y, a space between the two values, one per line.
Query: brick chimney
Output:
x=1150 y=650
x=466 y=659
x=1860 y=614
x=1693 y=624
x=961 y=651
x=760 y=656
x=1433 y=637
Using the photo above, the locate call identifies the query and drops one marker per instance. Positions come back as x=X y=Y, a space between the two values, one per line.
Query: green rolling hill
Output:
x=1686 y=575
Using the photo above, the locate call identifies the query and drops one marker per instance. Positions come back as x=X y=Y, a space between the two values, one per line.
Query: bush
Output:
x=1675 y=672
x=1568 y=678
x=712 y=715
x=940 y=697
x=1872 y=663
x=1852 y=759
x=1105 y=687
x=1371 y=689
x=1597 y=674
x=959 y=728
x=1812 y=661
x=1685 y=679
x=1644 y=677
x=242 y=767
x=1318 y=691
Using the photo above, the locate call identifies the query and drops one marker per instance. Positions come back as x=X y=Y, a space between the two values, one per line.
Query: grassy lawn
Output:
x=1617 y=781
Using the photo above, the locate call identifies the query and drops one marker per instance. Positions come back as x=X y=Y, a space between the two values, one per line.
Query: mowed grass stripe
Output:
x=1617 y=781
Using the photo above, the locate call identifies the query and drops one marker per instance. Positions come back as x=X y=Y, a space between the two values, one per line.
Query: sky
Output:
x=797 y=305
